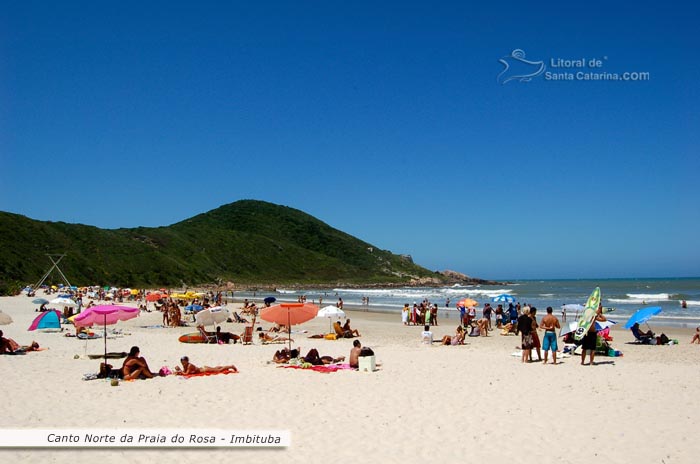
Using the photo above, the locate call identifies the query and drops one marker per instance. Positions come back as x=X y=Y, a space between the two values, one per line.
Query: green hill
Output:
x=249 y=242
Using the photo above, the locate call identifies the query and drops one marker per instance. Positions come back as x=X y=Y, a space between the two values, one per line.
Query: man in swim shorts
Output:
x=549 y=342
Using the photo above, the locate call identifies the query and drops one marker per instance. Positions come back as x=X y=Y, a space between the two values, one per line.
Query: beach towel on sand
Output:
x=324 y=369
x=206 y=374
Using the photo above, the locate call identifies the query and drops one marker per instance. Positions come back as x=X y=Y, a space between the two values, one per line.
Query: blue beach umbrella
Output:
x=642 y=315
x=193 y=308
x=503 y=298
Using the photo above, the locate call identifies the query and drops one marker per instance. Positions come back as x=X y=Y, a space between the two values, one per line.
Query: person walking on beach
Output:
x=550 y=323
x=434 y=314
x=487 y=312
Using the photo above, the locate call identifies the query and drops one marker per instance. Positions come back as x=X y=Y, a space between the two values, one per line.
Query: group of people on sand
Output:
x=425 y=313
x=172 y=317
x=135 y=367
x=345 y=331
x=292 y=357
x=527 y=327
x=9 y=346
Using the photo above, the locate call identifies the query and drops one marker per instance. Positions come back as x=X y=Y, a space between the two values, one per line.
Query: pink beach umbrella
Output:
x=105 y=315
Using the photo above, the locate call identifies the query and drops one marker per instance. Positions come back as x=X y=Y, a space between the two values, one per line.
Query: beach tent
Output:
x=47 y=320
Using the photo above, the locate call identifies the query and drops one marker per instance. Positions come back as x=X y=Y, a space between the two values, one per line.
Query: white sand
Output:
x=426 y=404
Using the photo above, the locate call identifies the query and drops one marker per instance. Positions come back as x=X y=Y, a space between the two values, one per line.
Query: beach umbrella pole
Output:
x=289 y=331
x=105 y=333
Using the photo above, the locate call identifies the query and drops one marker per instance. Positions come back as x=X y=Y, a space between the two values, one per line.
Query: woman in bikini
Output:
x=189 y=368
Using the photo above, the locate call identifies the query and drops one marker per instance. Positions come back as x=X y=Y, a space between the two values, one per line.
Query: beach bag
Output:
x=366 y=351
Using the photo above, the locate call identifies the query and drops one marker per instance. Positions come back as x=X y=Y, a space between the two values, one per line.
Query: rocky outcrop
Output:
x=459 y=278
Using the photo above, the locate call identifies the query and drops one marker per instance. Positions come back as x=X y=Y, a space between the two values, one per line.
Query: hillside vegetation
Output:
x=246 y=242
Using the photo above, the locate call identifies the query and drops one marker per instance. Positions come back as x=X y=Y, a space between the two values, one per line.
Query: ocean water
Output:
x=625 y=295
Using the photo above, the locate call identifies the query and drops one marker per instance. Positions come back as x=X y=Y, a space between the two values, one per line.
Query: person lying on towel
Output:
x=189 y=369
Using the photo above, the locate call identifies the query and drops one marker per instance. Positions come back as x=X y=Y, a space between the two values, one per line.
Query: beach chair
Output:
x=206 y=336
x=239 y=319
x=340 y=332
x=247 y=336
x=644 y=339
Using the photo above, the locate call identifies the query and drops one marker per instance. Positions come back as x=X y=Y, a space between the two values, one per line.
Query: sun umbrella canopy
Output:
x=503 y=298
x=63 y=301
x=40 y=301
x=212 y=316
x=467 y=303
x=155 y=296
x=642 y=315
x=289 y=313
x=47 y=320
x=193 y=308
x=5 y=319
x=105 y=315
x=331 y=311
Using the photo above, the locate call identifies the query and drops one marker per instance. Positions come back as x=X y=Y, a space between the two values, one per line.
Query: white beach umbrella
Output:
x=5 y=319
x=212 y=316
x=330 y=312
x=62 y=301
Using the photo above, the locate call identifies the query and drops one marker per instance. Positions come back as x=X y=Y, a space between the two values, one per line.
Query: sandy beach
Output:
x=425 y=404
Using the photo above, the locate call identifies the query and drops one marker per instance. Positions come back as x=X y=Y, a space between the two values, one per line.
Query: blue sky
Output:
x=385 y=121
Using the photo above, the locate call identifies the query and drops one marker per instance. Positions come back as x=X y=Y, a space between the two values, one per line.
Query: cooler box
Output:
x=367 y=363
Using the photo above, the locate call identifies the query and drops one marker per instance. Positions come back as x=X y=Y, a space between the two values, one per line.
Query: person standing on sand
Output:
x=549 y=342
x=535 y=336
x=591 y=338
x=525 y=329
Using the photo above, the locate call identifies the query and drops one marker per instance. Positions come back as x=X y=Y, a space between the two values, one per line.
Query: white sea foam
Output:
x=649 y=296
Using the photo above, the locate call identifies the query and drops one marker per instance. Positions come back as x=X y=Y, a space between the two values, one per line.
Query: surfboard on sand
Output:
x=588 y=316
x=194 y=337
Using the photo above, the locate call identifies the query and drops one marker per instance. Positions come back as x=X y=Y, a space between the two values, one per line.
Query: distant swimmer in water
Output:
x=684 y=304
